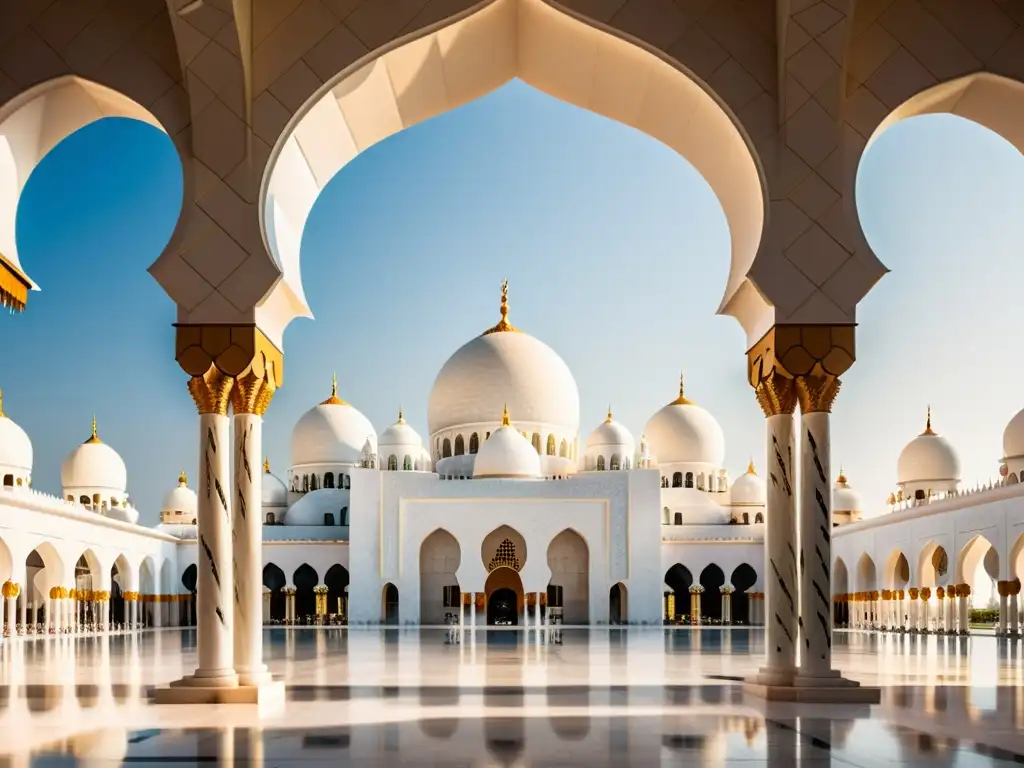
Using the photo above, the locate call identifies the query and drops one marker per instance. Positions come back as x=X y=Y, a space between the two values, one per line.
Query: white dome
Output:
x=331 y=433
x=504 y=367
x=1013 y=437
x=400 y=435
x=127 y=514
x=928 y=457
x=611 y=434
x=684 y=433
x=15 y=446
x=844 y=498
x=311 y=508
x=94 y=464
x=182 y=499
x=275 y=492
x=506 y=453
x=749 y=489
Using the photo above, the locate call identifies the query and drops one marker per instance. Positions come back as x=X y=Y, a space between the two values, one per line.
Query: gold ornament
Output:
x=503 y=326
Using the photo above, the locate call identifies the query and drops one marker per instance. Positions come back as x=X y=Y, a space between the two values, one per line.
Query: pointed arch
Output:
x=474 y=443
x=867 y=574
x=440 y=557
x=712 y=578
x=275 y=581
x=568 y=558
x=460 y=445
x=551 y=445
x=305 y=580
x=504 y=546
x=974 y=554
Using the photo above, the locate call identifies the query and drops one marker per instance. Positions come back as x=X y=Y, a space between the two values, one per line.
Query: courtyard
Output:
x=571 y=696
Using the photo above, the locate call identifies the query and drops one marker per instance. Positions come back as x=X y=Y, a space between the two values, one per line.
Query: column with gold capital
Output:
x=250 y=399
x=214 y=584
x=816 y=394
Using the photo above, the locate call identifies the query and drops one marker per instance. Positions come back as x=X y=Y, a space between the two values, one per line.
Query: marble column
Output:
x=940 y=613
x=727 y=607
x=963 y=591
x=912 y=610
x=1001 y=588
x=777 y=396
x=695 y=608
x=250 y=398
x=1013 y=589
x=816 y=395
x=926 y=593
x=266 y=605
x=214 y=585
x=472 y=611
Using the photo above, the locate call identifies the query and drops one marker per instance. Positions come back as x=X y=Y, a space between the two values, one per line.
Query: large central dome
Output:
x=504 y=367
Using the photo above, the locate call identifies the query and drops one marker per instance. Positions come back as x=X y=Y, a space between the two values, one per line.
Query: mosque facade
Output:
x=503 y=515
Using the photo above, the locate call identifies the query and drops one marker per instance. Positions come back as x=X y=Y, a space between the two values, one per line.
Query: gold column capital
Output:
x=254 y=387
x=211 y=391
x=792 y=363
x=231 y=348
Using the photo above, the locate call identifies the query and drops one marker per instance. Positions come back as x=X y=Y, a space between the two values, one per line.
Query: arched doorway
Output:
x=712 y=579
x=504 y=591
x=189 y=580
x=389 y=604
x=678 y=579
x=569 y=588
x=274 y=580
x=742 y=579
x=440 y=556
x=336 y=580
x=305 y=580
x=618 y=605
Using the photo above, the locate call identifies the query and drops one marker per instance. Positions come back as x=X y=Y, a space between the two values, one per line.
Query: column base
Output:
x=188 y=691
x=830 y=688
x=770 y=678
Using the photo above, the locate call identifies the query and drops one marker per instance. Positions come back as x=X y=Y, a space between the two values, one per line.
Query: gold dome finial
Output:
x=503 y=325
x=681 y=400
x=505 y=420
x=750 y=467
x=95 y=437
x=401 y=416
x=183 y=478
x=334 y=399
x=608 y=418
x=266 y=465
x=2 y=414
x=841 y=480
x=928 y=423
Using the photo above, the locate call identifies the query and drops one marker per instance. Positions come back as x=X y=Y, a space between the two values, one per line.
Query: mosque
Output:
x=503 y=516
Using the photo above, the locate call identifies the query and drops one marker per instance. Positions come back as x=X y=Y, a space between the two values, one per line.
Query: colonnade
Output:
x=473 y=610
x=755 y=609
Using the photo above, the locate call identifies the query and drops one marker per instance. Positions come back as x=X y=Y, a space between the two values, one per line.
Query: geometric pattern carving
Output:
x=504 y=556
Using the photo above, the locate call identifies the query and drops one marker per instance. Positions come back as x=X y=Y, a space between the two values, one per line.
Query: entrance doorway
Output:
x=617 y=610
x=389 y=604
x=501 y=608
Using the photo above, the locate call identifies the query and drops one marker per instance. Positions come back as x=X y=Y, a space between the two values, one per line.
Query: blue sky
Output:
x=616 y=251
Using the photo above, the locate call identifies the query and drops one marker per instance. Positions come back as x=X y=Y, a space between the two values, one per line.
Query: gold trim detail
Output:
x=14 y=286
x=608 y=418
x=928 y=424
x=401 y=416
x=266 y=465
x=2 y=414
x=816 y=394
x=681 y=400
x=232 y=348
x=503 y=326
x=334 y=399
x=94 y=438
x=776 y=394
x=253 y=389
x=211 y=392
x=841 y=480
x=183 y=478
x=505 y=420
x=750 y=467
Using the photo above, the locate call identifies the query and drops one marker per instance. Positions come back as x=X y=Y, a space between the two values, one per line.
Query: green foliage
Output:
x=984 y=615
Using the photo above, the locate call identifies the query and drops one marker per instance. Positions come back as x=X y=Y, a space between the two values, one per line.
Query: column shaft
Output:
x=815 y=544
x=1001 y=626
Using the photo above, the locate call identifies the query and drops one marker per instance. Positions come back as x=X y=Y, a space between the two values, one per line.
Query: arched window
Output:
x=393 y=461
x=348 y=482
x=664 y=481
x=407 y=463
x=343 y=517
x=96 y=499
x=488 y=436
x=759 y=517
x=615 y=462
x=679 y=518
x=460 y=445
x=314 y=483
x=746 y=518
x=563 y=450
x=536 y=443
x=474 y=443
x=625 y=463
x=689 y=479
x=270 y=518
x=193 y=521
x=328 y=518
x=666 y=516
x=71 y=499
x=295 y=484
x=700 y=481
x=305 y=483
x=600 y=463
x=551 y=445
x=8 y=481
x=919 y=495
x=677 y=480
x=328 y=479
x=446 y=450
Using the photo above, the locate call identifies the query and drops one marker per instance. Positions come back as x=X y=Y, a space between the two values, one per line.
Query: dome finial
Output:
x=608 y=418
x=334 y=399
x=841 y=480
x=928 y=423
x=95 y=436
x=505 y=420
x=681 y=400
x=1 y=404
x=750 y=467
x=503 y=325
x=334 y=384
x=183 y=478
x=401 y=416
x=266 y=465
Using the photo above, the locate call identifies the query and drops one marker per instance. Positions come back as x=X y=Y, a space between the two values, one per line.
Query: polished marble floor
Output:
x=574 y=697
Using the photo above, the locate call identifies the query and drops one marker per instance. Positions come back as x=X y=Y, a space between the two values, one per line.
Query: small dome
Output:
x=504 y=366
x=749 y=490
x=611 y=434
x=1013 y=437
x=506 y=453
x=15 y=446
x=126 y=514
x=275 y=492
x=684 y=433
x=312 y=508
x=928 y=457
x=94 y=464
x=400 y=435
x=844 y=498
x=331 y=433
x=182 y=500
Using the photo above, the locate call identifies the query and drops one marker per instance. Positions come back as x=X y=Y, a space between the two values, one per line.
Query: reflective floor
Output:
x=575 y=697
